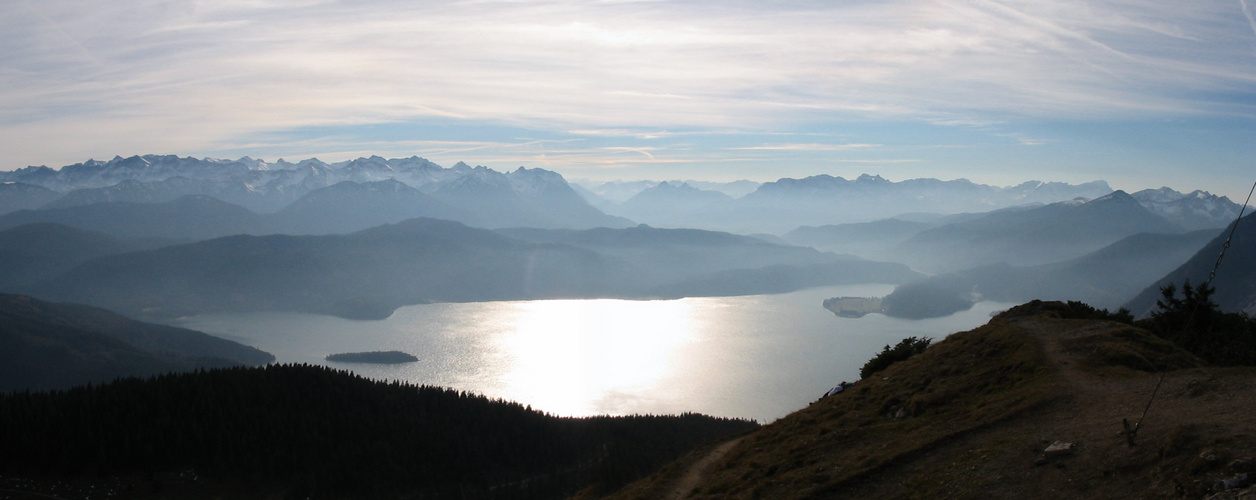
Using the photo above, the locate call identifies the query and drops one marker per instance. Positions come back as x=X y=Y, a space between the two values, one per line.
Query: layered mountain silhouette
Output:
x=1235 y=279
x=1106 y=278
x=369 y=273
x=997 y=242
x=193 y=217
x=344 y=207
x=674 y=205
x=1031 y=236
x=38 y=251
x=522 y=198
x=777 y=207
x=19 y=195
x=865 y=239
x=47 y=345
x=681 y=262
x=349 y=206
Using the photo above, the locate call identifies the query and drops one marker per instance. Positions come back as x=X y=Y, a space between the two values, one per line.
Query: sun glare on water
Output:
x=570 y=356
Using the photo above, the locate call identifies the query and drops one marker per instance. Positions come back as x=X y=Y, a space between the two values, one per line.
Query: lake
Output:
x=759 y=356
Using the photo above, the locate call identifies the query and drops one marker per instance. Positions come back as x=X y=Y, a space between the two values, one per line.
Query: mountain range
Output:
x=482 y=197
x=412 y=186
x=786 y=204
x=1031 y=236
x=343 y=207
x=967 y=233
x=779 y=206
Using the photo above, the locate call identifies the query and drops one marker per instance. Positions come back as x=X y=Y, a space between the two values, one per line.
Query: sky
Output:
x=1140 y=93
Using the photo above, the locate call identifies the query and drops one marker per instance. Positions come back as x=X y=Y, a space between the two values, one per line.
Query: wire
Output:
x=1233 y=228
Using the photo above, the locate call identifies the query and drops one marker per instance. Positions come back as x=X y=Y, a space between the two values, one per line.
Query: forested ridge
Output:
x=318 y=432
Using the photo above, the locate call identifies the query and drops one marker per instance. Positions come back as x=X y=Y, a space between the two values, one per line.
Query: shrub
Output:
x=1081 y=310
x=905 y=348
x=1196 y=324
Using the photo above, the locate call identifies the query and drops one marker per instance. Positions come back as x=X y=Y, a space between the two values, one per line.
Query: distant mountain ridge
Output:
x=475 y=195
x=482 y=197
x=1106 y=278
x=1193 y=210
x=1032 y=236
x=369 y=273
x=779 y=206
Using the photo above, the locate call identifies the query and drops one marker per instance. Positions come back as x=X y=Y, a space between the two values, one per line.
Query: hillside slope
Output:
x=45 y=345
x=1235 y=280
x=973 y=416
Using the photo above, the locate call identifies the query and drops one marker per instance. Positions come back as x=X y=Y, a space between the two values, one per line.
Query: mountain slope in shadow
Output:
x=47 y=345
x=1235 y=281
x=38 y=251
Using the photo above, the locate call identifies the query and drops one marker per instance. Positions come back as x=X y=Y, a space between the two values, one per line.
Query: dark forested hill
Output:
x=48 y=346
x=312 y=432
x=369 y=273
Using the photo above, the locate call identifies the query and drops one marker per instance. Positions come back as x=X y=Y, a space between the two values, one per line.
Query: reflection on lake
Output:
x=758 y=356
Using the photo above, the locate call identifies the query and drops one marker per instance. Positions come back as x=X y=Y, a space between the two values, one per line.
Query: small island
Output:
x=378 y=357
x=854 y=307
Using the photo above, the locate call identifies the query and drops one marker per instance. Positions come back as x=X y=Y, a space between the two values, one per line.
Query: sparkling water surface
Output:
x=756 y=356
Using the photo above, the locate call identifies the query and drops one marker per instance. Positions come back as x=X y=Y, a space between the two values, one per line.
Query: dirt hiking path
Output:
x=689 y=481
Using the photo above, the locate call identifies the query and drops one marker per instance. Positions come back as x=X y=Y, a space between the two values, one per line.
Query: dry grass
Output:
x=970 y=418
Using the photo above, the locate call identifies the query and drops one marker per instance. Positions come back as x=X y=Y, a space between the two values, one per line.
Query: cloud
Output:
x=808 y=147
x=187 y=75
x=1248 y=14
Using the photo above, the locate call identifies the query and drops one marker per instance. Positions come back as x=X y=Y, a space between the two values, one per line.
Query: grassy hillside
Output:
x=973 y=416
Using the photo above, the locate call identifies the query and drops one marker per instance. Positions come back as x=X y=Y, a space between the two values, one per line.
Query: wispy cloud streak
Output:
x=80 y=79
